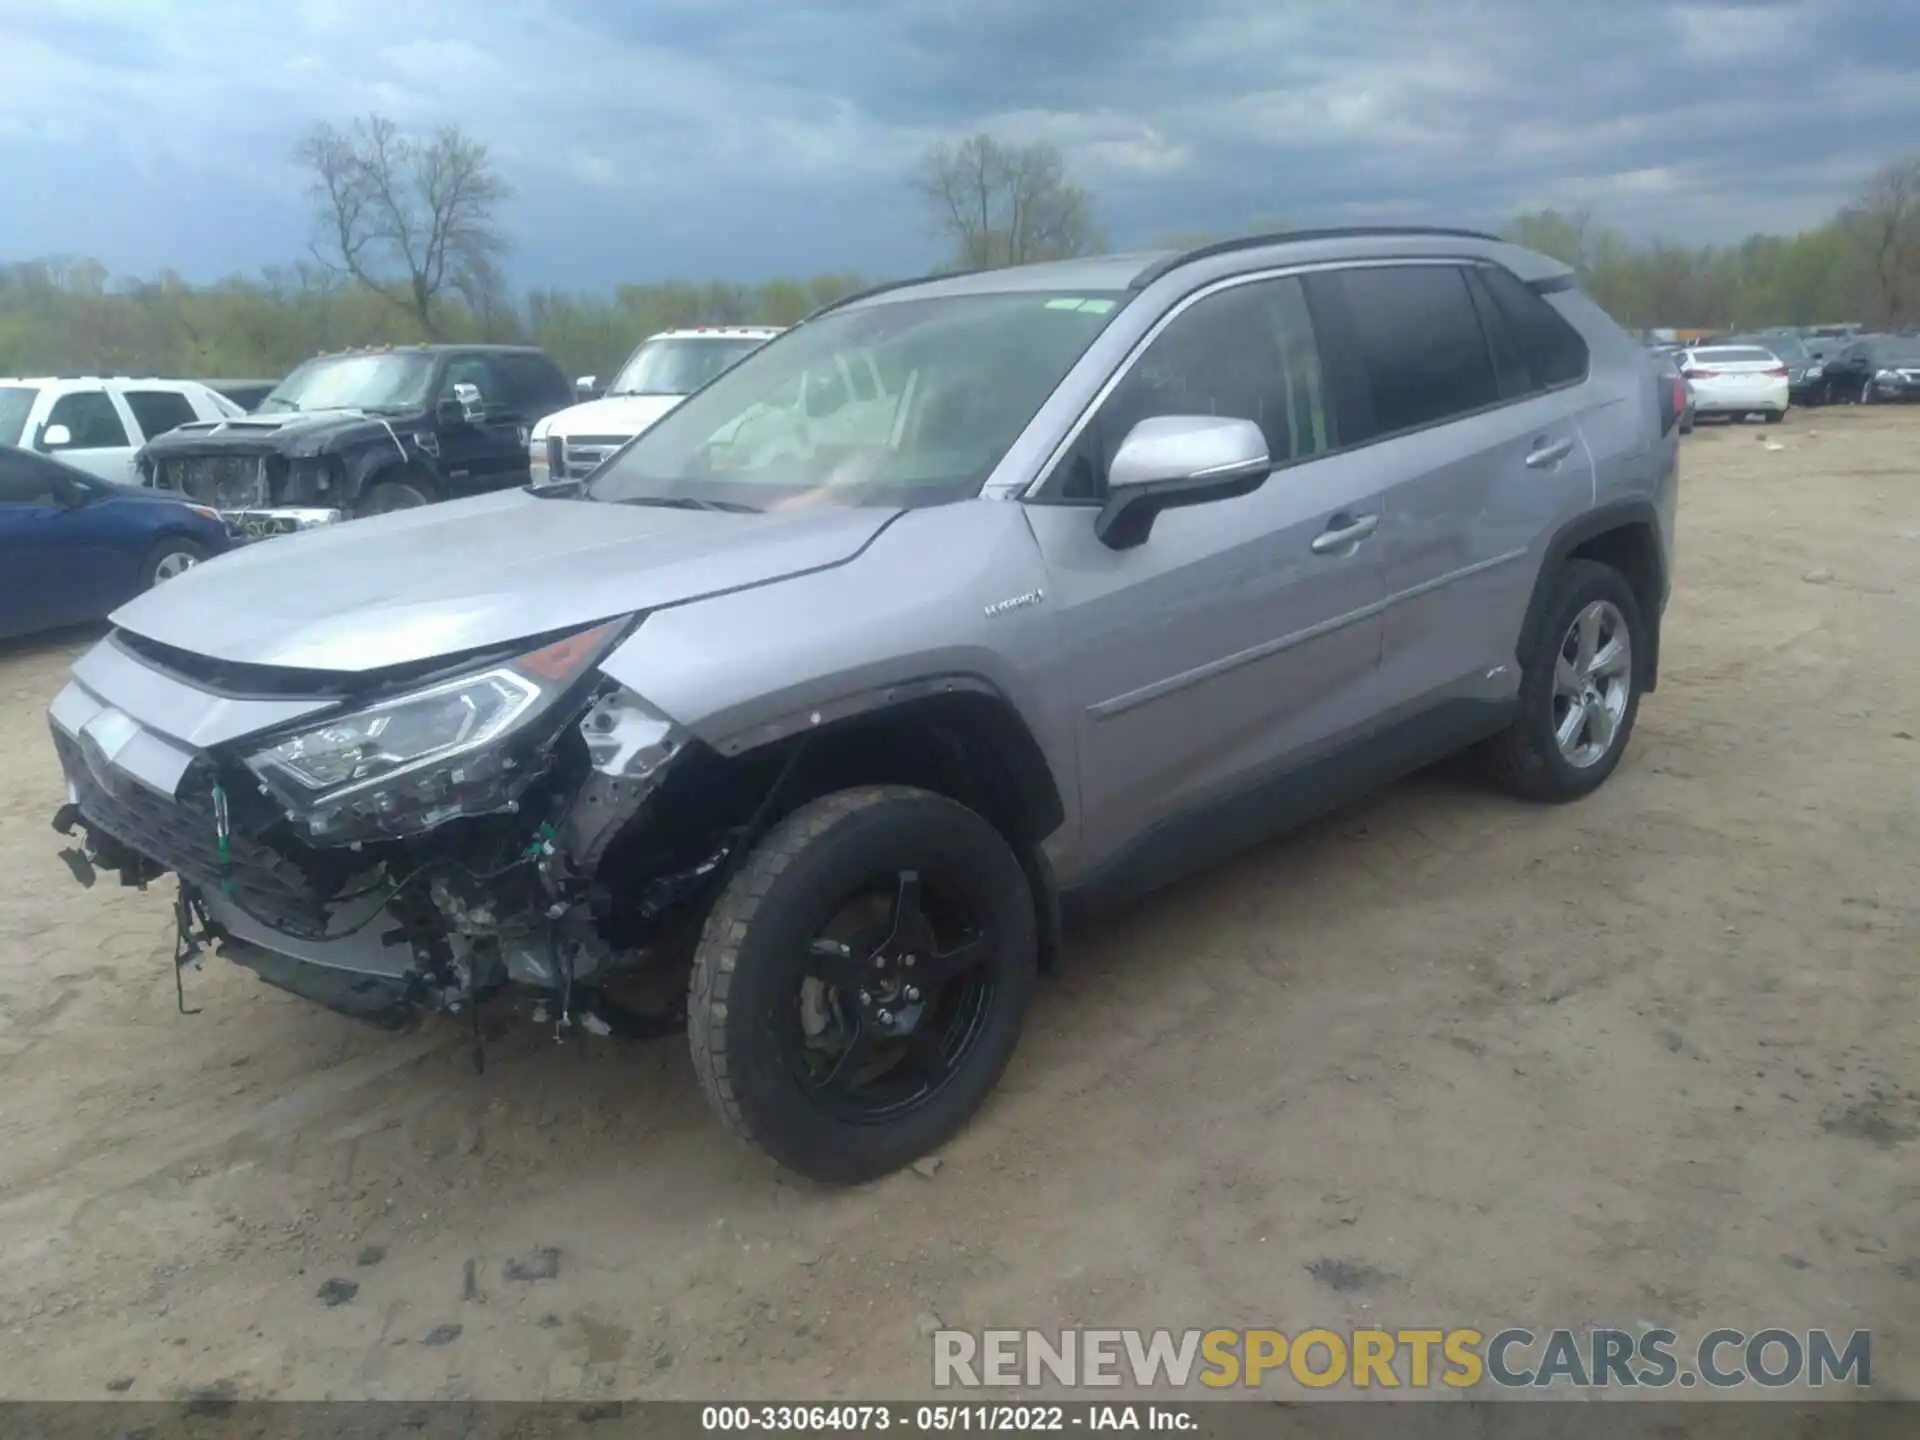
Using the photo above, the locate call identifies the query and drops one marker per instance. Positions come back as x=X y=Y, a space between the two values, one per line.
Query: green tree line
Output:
x=407 y=249
x=69 y=317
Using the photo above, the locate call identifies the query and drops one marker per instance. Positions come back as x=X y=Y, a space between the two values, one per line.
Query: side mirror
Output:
x=473 y=409
x=55 y=437
x=586 y=386
x=1172 y=461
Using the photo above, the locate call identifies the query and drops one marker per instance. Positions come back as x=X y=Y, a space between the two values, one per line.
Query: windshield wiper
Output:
x=691 y=502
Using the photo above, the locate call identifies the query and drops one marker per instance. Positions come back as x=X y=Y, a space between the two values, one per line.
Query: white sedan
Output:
x=1736 y=381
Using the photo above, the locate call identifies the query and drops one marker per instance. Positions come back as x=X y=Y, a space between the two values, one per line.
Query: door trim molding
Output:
x=1266 y=649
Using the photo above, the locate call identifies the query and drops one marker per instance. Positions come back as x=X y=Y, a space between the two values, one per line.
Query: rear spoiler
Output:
x=1554 y=284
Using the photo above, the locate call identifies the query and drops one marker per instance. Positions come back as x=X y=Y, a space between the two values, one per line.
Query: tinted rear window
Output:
x=1735 y=355
x=1554 y=351
x=159 y=411
x=1420 y=341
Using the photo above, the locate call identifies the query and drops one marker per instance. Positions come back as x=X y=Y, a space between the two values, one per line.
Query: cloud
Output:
x=694 y=137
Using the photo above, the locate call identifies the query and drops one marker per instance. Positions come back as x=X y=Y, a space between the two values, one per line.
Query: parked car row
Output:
x=1768 y=371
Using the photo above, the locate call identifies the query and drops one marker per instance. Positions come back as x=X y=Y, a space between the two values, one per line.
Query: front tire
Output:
x=404 y=491
x=1774 y=417
x=169 y=559
x=1579 y=689
x=861 y=981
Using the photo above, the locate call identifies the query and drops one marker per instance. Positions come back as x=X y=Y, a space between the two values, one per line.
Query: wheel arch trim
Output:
x=1638 y=513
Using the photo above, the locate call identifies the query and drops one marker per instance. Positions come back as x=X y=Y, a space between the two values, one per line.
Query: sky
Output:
x=661 y=139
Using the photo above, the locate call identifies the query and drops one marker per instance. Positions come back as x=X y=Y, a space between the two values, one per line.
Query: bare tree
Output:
x=1004 y=204
x=1886 y=221
x=409 y=219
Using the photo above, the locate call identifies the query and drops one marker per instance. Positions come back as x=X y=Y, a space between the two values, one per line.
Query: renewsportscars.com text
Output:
x=1414 y=1359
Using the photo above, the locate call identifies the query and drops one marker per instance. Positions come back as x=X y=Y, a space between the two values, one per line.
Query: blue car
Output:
x=74 y=547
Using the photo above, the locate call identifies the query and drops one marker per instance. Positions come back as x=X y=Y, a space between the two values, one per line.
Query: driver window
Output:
x=27 y=480
x=1247 y=352
x=91 y=418
x=474 y=371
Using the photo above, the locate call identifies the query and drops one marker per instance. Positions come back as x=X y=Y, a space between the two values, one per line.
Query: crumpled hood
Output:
x=443 y=579
x=610 y=415
x=291 y=432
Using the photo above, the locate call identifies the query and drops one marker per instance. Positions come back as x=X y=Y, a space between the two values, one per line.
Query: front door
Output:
x=489 y=453
x=1242 y=636
x=97 y=437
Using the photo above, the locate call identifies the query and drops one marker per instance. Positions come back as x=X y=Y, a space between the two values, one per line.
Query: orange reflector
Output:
x=560 y=659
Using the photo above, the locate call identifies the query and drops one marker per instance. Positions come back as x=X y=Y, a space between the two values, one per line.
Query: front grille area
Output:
x=179 y=834
x=580 y=455
x=226 y=482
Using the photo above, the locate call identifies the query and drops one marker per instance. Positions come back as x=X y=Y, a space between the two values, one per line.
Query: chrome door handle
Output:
x=1338 y=535
x=1551 y=453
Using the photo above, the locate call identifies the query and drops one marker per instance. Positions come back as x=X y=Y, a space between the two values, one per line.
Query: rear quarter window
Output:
x=16 y=404
x=1554 y=351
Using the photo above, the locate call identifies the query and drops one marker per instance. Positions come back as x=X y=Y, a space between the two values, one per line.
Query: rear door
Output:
x=1240 y=636
x=1472 y=415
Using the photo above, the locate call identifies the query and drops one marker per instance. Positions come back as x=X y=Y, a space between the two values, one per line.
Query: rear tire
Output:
x=761 y=1038
x=1774 y=417
x=1547 y=754
x=169 y=559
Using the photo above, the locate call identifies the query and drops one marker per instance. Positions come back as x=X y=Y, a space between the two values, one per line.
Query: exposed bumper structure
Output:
x=379 y=931
x=264 y=523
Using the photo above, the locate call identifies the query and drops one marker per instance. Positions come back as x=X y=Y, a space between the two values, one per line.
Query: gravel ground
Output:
x=1650 y=1058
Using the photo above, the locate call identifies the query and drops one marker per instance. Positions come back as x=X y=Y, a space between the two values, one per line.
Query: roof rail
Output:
x=873 y=290
x=1251 y=242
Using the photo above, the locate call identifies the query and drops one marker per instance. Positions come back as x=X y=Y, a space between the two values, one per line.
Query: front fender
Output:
x=921 y=609
x=368 y=465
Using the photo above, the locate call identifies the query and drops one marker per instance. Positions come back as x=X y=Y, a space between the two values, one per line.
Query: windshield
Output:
x=390 y=381
x=679 y=367
x=910 y=402
x=16 y=403
x=1787 y=347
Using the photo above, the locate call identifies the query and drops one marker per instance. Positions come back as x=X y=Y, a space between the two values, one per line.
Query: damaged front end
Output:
x=410 y=843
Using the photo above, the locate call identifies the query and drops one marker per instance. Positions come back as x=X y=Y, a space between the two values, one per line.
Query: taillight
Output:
x=1778 y=370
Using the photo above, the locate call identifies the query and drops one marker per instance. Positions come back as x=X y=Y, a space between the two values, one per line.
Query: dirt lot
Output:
x=1654 y=1058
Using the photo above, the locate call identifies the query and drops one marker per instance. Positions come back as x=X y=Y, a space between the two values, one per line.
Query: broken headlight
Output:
x=459 y=747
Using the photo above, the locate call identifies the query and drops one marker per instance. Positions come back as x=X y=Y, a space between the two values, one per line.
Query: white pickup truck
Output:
x=662 y=371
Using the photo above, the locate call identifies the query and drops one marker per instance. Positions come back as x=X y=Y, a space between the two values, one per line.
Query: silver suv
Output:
x=805 y=719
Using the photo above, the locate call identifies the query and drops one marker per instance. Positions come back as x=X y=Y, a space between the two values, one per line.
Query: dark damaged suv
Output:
x=363 y=433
